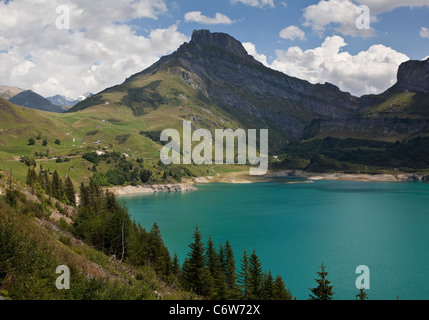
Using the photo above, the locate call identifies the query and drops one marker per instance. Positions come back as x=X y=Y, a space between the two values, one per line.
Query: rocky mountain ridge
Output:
x=217 y=66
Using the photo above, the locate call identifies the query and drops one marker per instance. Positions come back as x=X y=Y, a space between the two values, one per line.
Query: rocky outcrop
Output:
x=413 y=76
x=417 y=177
x=152 y=188
x=203 y=38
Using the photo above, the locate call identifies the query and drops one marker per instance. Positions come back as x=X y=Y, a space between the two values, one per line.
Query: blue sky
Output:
x=107 y=41
x=399 y=28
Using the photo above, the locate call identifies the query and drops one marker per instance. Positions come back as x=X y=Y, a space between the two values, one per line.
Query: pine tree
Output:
x=31 y=177
x=84 y=195
x=29 y=180
x=323 y=291
x=243 y=276
x=361 y=295
x=222 y=258
x=255 y=277
x=44 y=181
x=230 y=273
x=158 y=254
x=145 y=175
x=183 y=280
x=215 y=270
x=194 y=271
x=280 y=292
x=176 y=265
x=57 y=186
x=154 y=246
x=268 y=287
x=212 y=258
x=69 y=191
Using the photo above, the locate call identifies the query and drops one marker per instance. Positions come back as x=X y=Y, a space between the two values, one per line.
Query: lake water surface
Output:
x=295 y=226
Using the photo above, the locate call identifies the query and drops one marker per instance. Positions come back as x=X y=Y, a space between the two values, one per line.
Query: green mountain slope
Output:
x=111 y=129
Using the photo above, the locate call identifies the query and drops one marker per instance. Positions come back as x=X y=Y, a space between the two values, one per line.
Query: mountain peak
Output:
x=222 y=40
x=413 y=75
x=32 y=100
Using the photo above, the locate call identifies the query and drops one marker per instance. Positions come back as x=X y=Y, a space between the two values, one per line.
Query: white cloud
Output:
x=251 y=49
x=292 y=33
x=256 y=3
x=340 y=14
x=197 y=16
x=424 y=32
x=379 y=6
x=369 y=72
x=99 y=51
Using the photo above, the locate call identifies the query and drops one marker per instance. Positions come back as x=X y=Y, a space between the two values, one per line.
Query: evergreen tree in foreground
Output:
x=175 y=268
x=255 y=277
x=323 y=291
x=213 y=263
x=243 y=276
x=279 y=290
x=194 y=267
x=268 y=287
x=233 y=292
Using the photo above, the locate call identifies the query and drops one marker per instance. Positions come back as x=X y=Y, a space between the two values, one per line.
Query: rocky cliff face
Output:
x=204 y=38
x=413 y=76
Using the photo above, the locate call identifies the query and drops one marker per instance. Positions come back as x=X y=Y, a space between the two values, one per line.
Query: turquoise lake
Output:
x=294 y=227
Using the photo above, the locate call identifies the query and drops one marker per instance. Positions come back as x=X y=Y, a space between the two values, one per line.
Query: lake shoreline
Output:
x=364 y=177
x=189 y=184
x=154 y=188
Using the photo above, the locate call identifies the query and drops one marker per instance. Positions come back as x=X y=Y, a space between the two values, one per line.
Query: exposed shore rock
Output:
x=152 y=188
x=400 y=177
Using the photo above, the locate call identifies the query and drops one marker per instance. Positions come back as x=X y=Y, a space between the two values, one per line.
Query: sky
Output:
x=71 y=47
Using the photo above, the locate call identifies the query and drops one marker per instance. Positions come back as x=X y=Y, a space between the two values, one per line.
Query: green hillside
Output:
x=111 y=128
x=413 y=105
